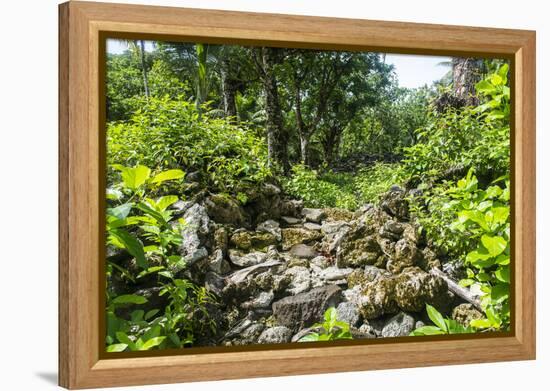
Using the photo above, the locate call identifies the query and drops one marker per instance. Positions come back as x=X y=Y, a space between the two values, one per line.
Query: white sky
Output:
x=412 y=70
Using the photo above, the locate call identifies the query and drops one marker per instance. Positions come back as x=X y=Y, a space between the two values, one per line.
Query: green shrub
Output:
x=167 y=133
x=144 y=227
x=372 y=181
x=473 y=137
x=316 y=192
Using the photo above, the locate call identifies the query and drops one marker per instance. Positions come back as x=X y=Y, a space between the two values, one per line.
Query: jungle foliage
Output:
x=334 y=129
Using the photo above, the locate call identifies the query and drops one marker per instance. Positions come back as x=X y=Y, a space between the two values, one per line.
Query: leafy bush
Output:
x=331 y=329
x=472 y=226
x=372 y=181
x=306 y=184
x=143 y=227
x=476 y=138
x=167 y=133
x=441 y=325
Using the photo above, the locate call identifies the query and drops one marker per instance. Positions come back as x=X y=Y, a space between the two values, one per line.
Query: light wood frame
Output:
x=81 y=186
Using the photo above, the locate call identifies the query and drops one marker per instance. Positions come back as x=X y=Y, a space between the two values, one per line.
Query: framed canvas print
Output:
x=247 y=195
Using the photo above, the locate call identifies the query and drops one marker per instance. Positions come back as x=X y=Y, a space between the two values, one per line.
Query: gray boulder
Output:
x=272 y=227
x=313 y=215
x=300 y=279
x=399 y=325
x=277 y=334
x=241 y=259
x=303 y=310
x=303 y=251
x=349 y=312
x=194 y=234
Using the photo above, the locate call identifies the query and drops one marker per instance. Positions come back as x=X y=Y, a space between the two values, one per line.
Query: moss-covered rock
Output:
x=465 y=313
x=225 y=210
x=338 y=214
x=246 y=240
x=405 y=255
x=415 y=288
x=409 y=291
x=359 y=247
x=292 y=236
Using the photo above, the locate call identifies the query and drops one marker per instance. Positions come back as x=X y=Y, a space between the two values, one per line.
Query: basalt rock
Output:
x=277 y=334
x=195 y=234
x=225 y=210
x=305 y=309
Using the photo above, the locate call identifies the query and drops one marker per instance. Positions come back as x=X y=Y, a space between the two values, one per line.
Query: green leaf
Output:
x=427 y=330
x=121 y=211
x=123 y=338
x=135 y=177
x=150 y=271
x=503 y=72
x=117 y=347
x=503 y=274
x=312 y=337
x=150 y=314
x=167 y=176
x=494 y=244
x=436 y=317
x=132 y=245
x=165 y=202
x=485 y=87
x=129 y=299
x=480 y=323
x=500 y=292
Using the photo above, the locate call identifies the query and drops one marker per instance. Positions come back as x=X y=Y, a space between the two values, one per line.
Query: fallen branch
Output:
x=461 y=292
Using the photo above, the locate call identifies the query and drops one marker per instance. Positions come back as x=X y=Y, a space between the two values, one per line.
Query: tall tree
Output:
x=466 y=73
x=265 y=59
x=144 y=68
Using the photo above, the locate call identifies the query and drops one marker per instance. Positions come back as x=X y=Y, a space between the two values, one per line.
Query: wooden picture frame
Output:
x=82 y=31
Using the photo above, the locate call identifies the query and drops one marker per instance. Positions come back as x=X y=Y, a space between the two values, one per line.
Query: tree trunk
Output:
x=276 y=137
x=144 y=69
x=466 y=73
x=229 y=90
x=330 y=143
x=304 y=147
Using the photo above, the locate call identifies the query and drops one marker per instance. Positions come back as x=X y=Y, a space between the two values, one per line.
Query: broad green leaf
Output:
x=121 y=211
x=167 y=176
x=150 y=314
x=123 y=338
x=494 y=244
x=465 y=282
x=503 y=72
x=503 y=274
x=485 y=87
x=117 y=347
x=150 y=271
x=481 y=323
x=500 y=292
x=427 y=330
x=132 y=245
x=312 y=337
x=166 y=201
x=151 y=212
x=436 y=317
x=134 y=177
x=129 y=299
x=137 y=315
